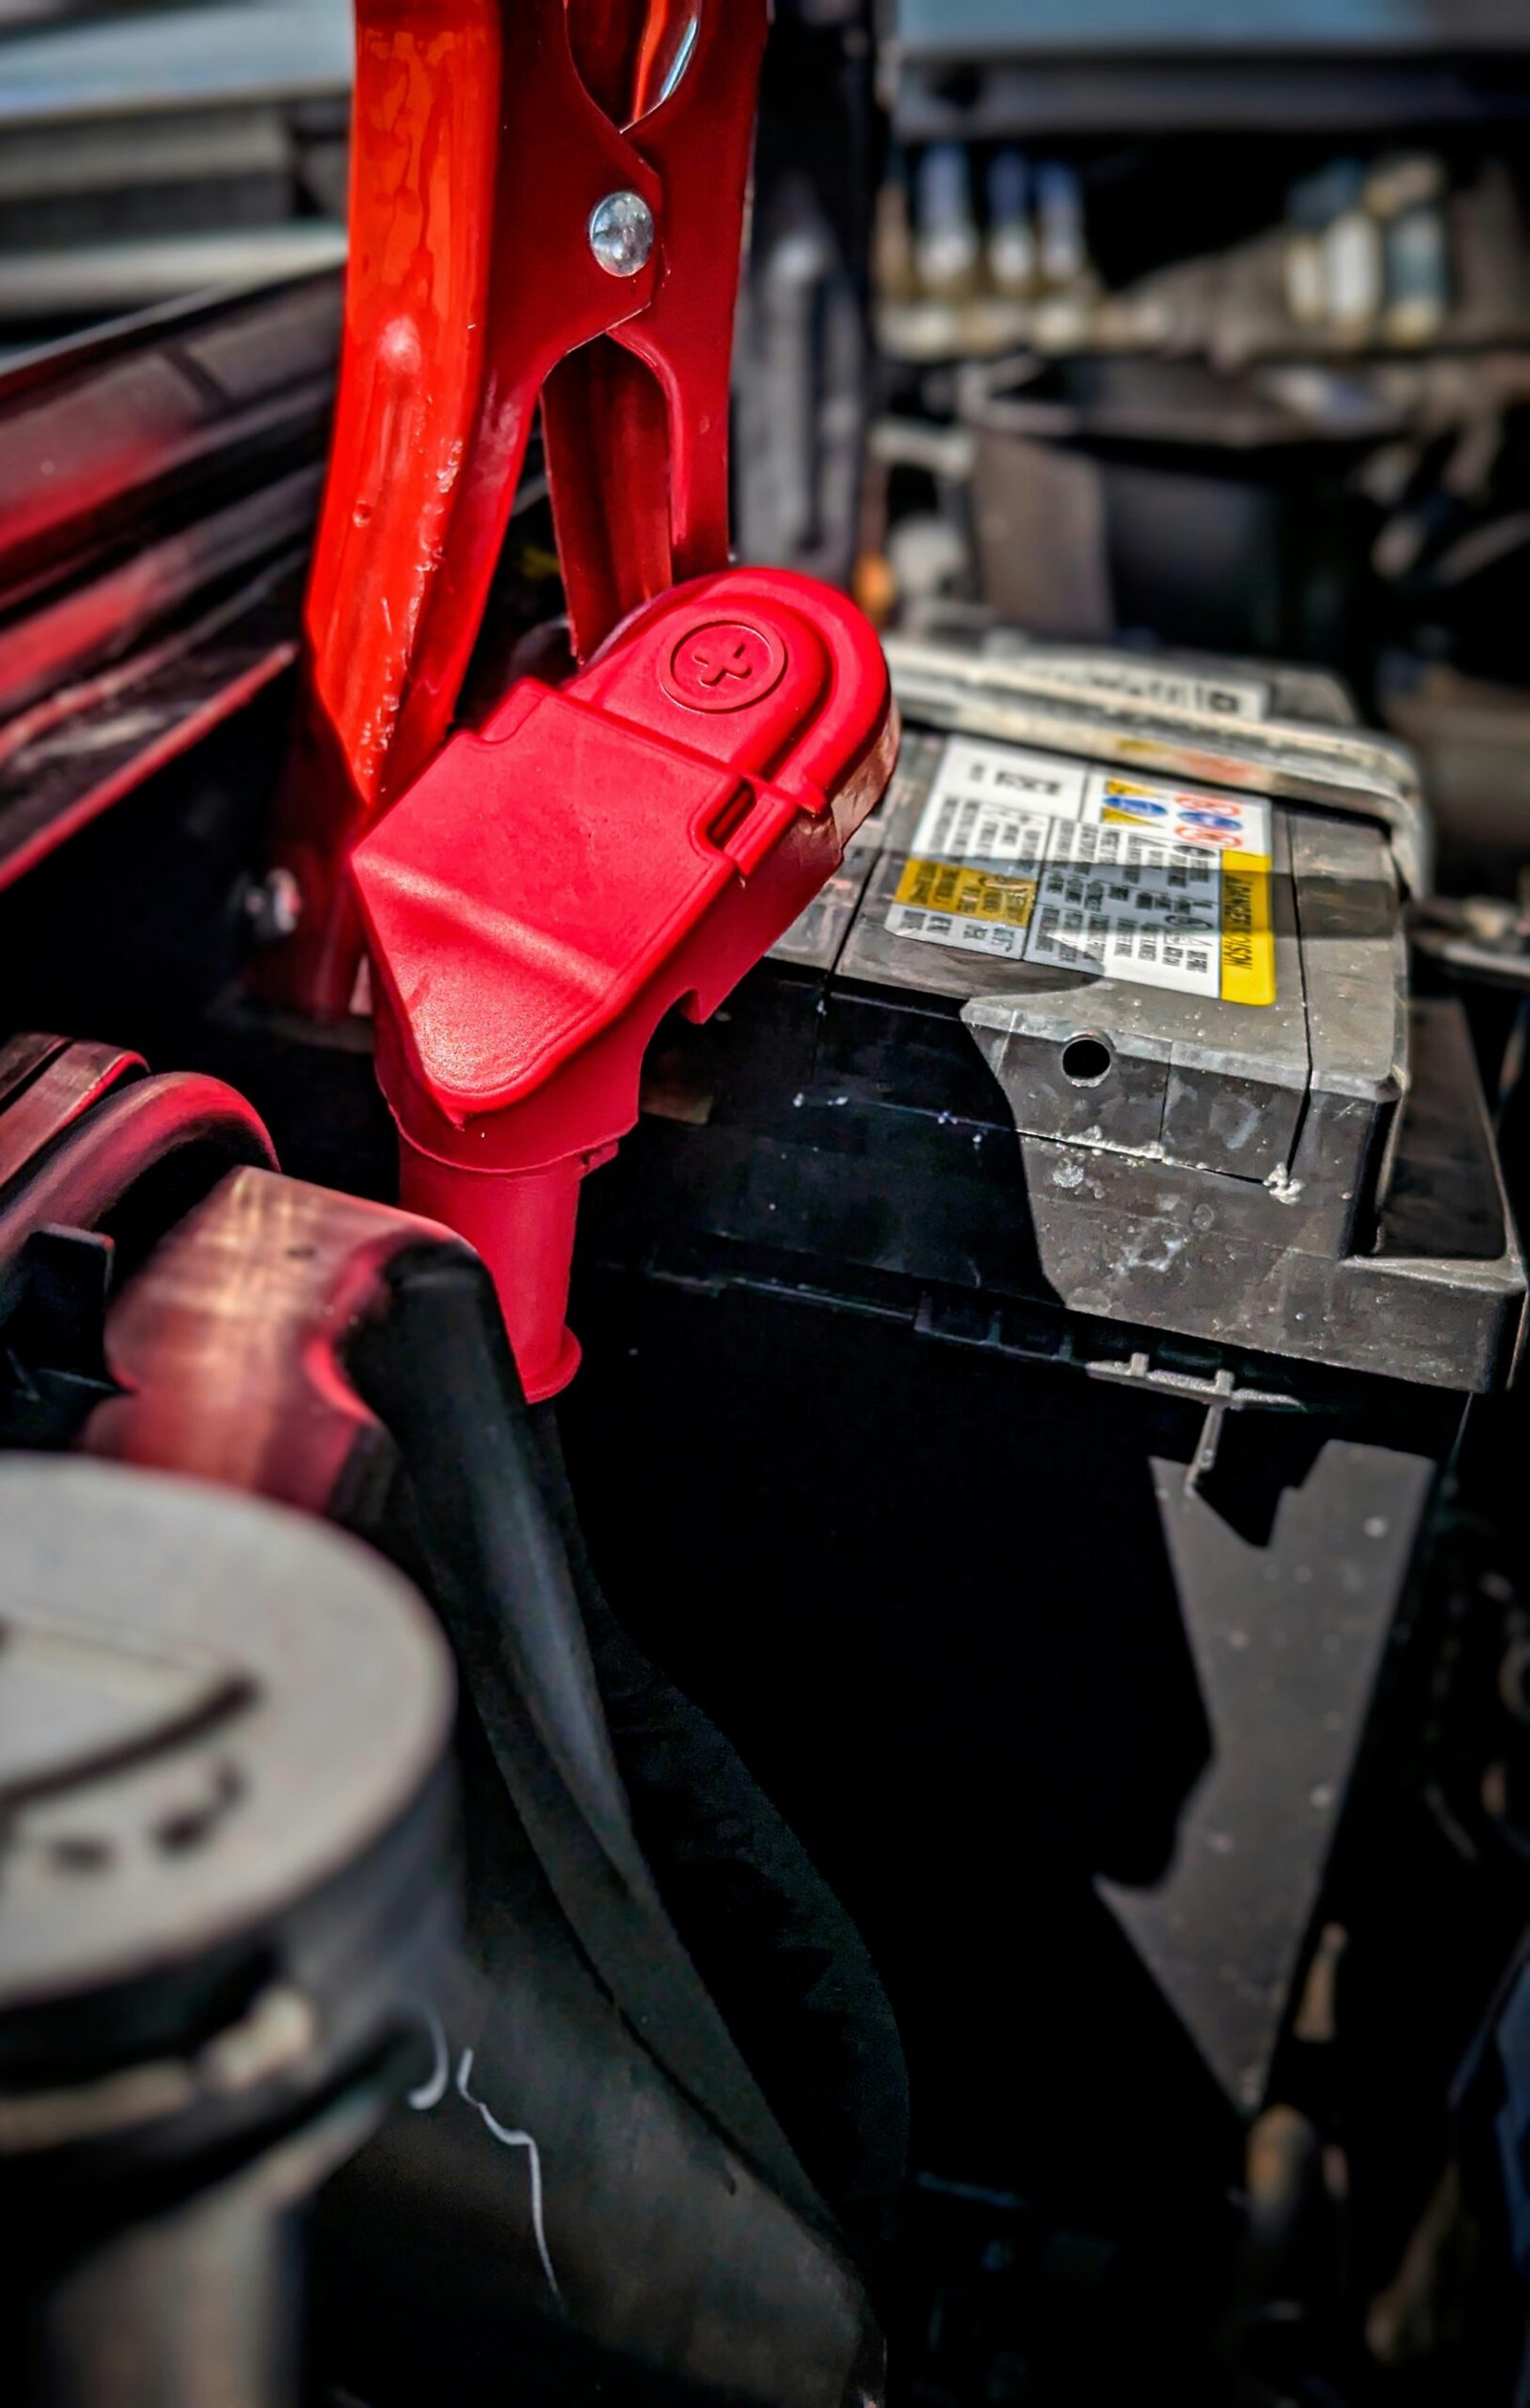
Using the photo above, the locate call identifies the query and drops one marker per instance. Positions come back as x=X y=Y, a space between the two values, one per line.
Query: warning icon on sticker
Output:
x=1138 y=809
x=1216 y=821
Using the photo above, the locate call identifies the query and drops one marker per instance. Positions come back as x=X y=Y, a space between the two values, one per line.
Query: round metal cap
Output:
x=210 y=1708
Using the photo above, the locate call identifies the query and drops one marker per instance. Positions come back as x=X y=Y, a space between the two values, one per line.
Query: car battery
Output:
x=1171 y=926
x=1091 y=1239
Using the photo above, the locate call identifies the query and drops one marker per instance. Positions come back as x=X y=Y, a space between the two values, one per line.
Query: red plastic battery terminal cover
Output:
x=552 y=886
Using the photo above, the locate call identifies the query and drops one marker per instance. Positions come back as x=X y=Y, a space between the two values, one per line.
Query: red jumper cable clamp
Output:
x=537 y=893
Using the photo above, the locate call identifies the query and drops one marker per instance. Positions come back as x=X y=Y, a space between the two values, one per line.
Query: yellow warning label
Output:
x=968 y=893
x=1248 y=939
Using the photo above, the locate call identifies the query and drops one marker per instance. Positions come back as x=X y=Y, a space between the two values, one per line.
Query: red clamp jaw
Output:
x=552 y=887
x=547 y=202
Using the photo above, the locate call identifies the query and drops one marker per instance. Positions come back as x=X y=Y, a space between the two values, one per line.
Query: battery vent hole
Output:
x=1085 y=1061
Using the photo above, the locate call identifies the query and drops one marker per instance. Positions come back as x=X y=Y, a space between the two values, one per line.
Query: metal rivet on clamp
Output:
x=621 y=233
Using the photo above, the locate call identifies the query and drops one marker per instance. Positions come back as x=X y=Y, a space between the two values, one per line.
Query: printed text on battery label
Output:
x=1030 y=858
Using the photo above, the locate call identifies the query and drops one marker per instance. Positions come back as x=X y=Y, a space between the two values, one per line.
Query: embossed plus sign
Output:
x=715 y=663
x=724 y=665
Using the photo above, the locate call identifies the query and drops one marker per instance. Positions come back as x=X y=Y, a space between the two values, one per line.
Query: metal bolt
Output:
x=274 y=905
x=621 y=232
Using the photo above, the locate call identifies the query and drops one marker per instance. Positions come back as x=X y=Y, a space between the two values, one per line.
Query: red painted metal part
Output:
x=140 y=1130
x=550 y=888
x=63 y=1089
x=227 y=1345
x=479 y=152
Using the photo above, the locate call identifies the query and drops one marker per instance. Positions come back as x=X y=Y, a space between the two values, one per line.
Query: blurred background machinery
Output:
x=1208 y=327
x=1183 y=326
x=147 y=153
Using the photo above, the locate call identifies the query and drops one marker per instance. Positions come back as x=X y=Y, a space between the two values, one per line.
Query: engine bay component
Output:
x=158 y=483
x=1176 y=937
x=350 y=1359
x=1034 y=1158
x=228 y=1841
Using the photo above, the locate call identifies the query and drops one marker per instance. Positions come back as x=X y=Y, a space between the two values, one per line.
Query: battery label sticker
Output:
x=1030 y=858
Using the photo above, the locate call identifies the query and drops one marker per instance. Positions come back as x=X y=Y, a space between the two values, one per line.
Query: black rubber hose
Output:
x=786 y=2038
x=787 y=1966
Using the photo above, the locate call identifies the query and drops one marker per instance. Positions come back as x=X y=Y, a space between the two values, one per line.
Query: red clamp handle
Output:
x=552 y=887
x=510 y=240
